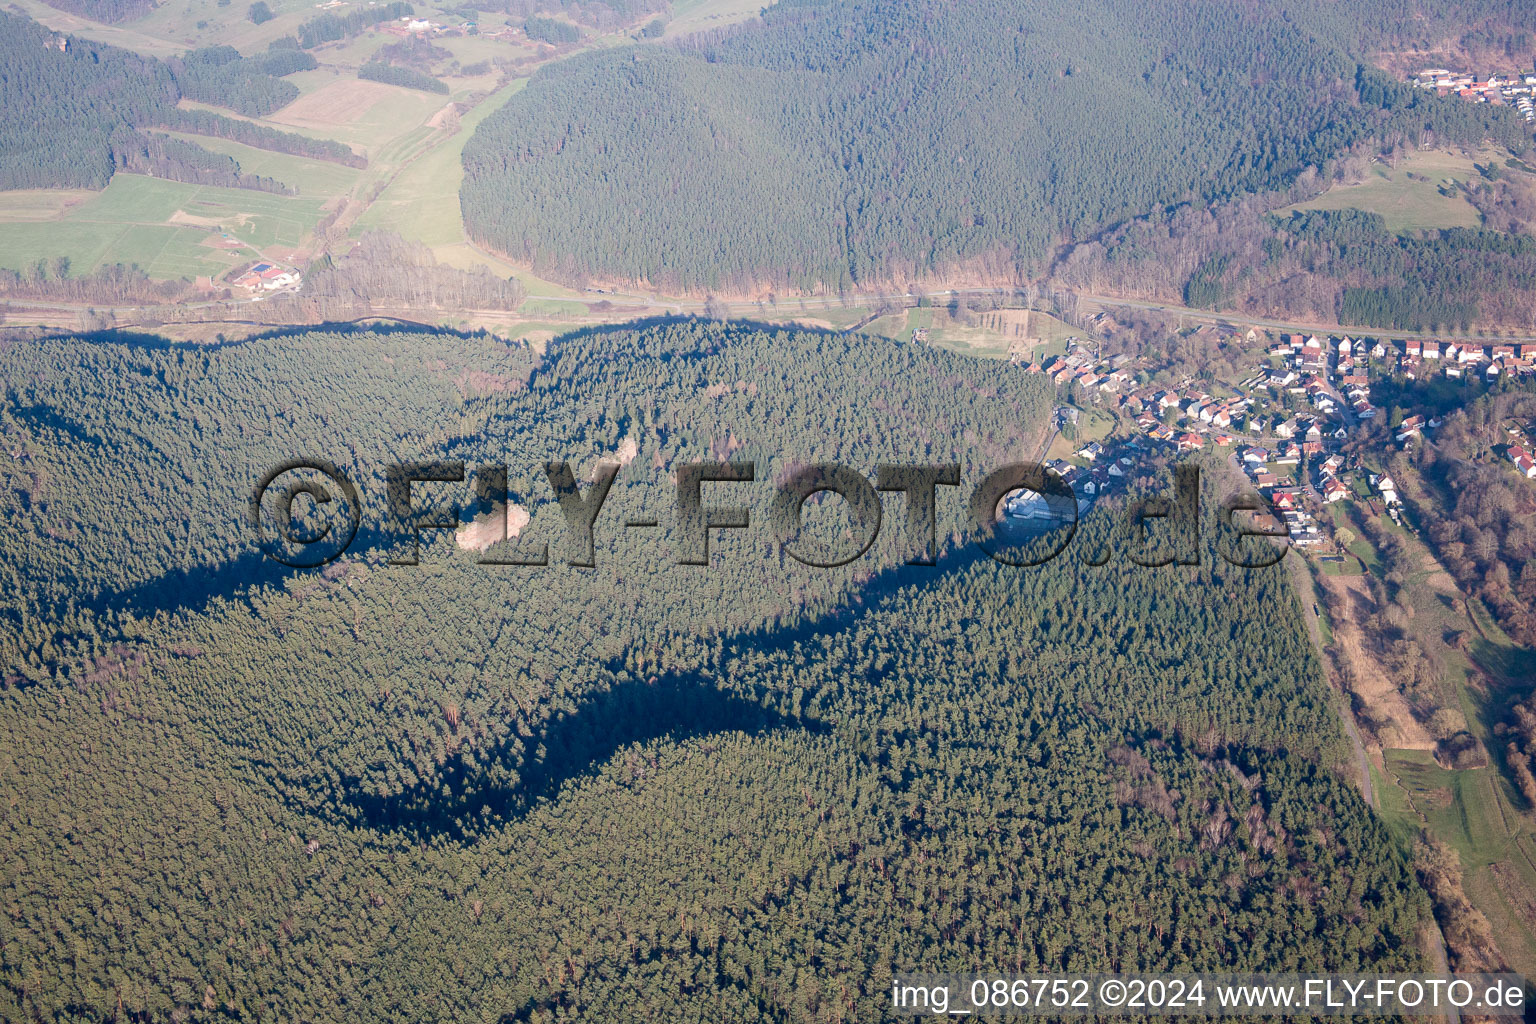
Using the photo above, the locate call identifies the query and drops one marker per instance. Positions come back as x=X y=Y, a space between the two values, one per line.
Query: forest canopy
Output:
x=842 y=142
x=382 y=792
x=72 y=111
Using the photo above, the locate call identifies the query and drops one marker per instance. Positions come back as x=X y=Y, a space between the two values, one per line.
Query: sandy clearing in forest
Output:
x=1395 y=726
x=485 y=530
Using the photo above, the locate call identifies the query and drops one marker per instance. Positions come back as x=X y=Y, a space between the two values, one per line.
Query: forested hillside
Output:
x=1499 y=29
x=1337 y=265
x=62 y=100
x=642 y=790
x=838 y=142
x=73 y=111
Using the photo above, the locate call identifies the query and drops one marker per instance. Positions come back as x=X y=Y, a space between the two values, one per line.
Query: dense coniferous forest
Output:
x=59 y=108
x=835 y=142
x=73 y=111
x=551 y=30
x=739 y=792
x=220 y=76
x=1496 y=30
x=602 y=15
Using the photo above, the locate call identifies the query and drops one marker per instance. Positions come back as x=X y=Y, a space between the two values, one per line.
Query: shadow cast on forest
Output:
x=462 y=802
x=458 y=804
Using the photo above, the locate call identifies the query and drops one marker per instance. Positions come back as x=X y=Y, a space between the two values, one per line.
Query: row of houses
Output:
x=1109 y=376
x=1310 y=365
x=1288 y=503
x=1513 y=89
x=1313 y=366
x=1463 y=359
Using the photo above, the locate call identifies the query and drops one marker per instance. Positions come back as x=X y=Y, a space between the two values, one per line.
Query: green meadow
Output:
x=160 y=226
x=1475 y=812
x=1409 y=198
x=422 y=202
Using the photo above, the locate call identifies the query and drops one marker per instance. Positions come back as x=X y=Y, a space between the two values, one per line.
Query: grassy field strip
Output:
x=39 y=204
x=422 y=203
x=309 y=176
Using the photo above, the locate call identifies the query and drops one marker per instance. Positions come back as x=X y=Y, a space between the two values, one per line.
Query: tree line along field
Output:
x=172 y=230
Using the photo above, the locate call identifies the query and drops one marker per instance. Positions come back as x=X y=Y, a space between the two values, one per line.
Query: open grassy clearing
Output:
x=347 y=55
x=32 y=204
x=1340 y=565
x=1092 y=425
x=163 y=227
x=1348 y=515
x=366 y=114
x=194 y=23
x=1409 y=198
x=160 y=251
x=1042 y=335
x=892 y=325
